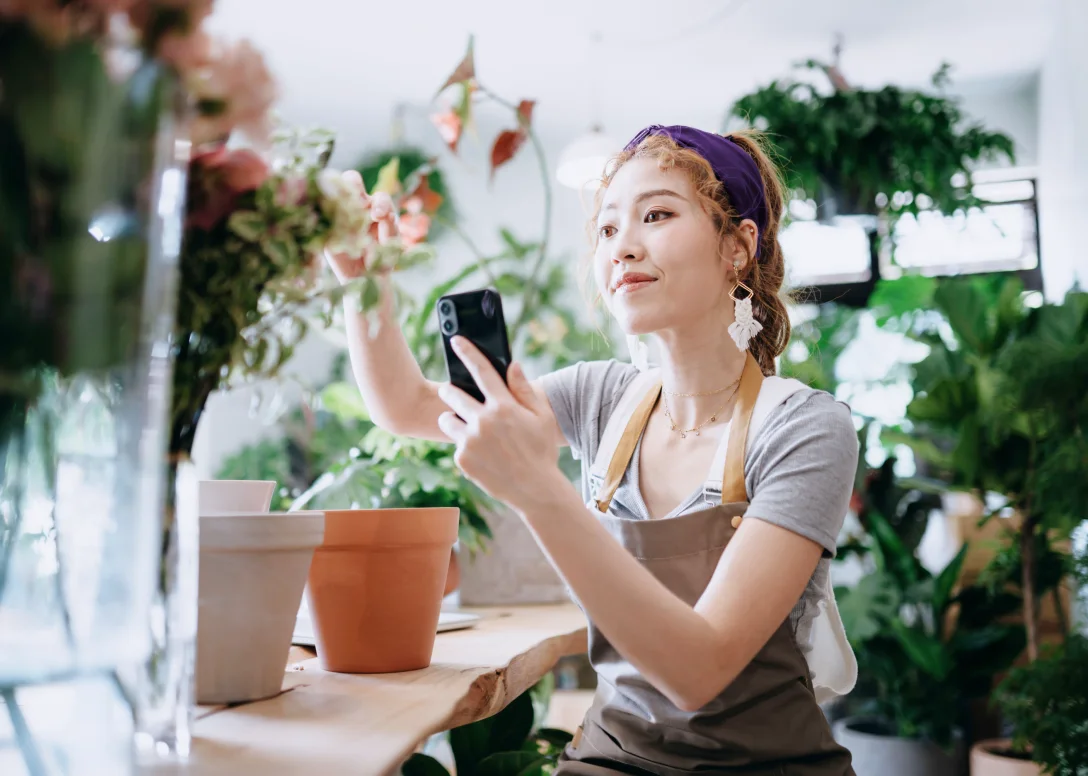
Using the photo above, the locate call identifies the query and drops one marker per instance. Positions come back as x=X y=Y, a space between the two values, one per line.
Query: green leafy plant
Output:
x=890 y=151
x=1046 y=703
x=507 y=744
x=923 y=647
x=925 y=644
x=1000 y=401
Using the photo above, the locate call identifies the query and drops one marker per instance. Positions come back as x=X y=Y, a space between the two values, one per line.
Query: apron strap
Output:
x=620 y=416
x=751 y=380
x=625 y=446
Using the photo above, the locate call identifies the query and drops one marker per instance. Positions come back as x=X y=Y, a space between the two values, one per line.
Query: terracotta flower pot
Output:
x=988 y=759
x=253 y=567
x=453 y=576
x=375 y=587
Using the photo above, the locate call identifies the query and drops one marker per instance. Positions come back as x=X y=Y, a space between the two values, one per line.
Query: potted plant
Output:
x=886 y=152
x=1001 y=404
x=511 y=743
x=925 y=644
x=1044 y=706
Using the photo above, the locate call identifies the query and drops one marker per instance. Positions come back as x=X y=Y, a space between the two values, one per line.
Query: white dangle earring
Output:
x=640 y=352
x=744 y=326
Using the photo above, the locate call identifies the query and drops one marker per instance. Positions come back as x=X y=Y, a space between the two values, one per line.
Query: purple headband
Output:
x=735 y=168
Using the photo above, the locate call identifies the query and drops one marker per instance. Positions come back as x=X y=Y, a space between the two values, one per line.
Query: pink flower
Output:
x=216 y=179
x=185 y=53
x=449 y=127
x=381 y=206
x=243 y=170
x=414 y=228
x=291 y=191
x=235 y=91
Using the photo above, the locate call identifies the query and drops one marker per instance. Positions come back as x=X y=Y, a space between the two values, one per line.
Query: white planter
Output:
x=512 y=570
x=253 y=568
x=216 y=496
x=874 y=754
x=985 y=761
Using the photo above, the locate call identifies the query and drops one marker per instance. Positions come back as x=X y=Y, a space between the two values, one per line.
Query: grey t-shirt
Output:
x=799 y=471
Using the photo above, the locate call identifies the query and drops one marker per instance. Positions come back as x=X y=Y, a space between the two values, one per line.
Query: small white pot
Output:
x=985 y=761
x=253 y=568
x=214 y=496
x=876 y=754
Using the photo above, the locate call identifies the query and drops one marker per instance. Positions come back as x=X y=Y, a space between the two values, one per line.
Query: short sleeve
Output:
x=801 y=468
x=582 y=397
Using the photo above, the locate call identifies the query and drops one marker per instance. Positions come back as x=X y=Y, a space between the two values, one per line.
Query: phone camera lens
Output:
x=445 y=308
x=447 y=326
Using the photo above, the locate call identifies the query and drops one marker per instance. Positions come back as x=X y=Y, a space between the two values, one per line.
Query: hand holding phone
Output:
x=476 y=316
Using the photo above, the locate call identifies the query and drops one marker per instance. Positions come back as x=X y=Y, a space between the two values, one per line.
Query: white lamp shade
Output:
x=584 y=159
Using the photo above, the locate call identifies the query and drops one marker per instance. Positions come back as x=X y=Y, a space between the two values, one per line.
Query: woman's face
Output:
x=657 y=263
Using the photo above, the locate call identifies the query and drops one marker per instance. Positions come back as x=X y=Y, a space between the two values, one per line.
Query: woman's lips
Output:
x=631 y=287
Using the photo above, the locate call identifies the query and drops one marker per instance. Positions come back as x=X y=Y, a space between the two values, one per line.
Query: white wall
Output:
x=1063 y=152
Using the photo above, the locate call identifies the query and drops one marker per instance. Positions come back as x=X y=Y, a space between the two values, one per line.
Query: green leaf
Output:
x=946 y=580
x=389 y=178
x=512 y=725
x=899 y=560
x=344 y=401
x=966 y=309
x=513 y=764
x=371 y=294
x=423 y=765
x=283 y=252
x=928 y=653
x=868 y=606
x=247 y=224
x=470 y=746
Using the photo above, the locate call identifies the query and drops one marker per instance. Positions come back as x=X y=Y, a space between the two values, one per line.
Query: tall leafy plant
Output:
x=1001 y=396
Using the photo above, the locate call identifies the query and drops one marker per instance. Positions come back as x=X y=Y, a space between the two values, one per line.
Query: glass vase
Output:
x=92 y=183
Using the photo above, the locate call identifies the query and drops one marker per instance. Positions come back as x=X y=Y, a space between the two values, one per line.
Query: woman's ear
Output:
x=741 y=245
x=745 y=239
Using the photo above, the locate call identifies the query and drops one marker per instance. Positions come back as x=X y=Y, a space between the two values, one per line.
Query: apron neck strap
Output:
x=751 y=380
x=625 y=447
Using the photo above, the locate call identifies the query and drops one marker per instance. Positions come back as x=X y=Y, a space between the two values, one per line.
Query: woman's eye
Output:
x=606 y=231
x=664 y=214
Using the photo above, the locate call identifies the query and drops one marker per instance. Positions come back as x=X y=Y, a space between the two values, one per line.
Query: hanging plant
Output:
x=888 y=152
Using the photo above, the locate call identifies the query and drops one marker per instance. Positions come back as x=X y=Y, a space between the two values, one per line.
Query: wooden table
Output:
x=327 y=723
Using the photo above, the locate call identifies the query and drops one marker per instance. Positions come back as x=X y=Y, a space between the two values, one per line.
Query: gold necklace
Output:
x=695 y=429
x=704 y=393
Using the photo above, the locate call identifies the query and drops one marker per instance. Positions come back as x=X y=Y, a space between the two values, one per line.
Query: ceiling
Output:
x=346 y=64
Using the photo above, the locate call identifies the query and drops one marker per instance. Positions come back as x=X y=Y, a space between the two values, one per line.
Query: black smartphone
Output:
x=476 y=316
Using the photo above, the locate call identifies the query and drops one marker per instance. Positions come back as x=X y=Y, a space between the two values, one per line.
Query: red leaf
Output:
x=449 y=127
x=525 y=112
x=506 y=146
x=465 y=70
x=430 y=200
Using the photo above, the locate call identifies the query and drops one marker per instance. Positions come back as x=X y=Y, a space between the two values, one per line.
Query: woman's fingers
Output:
x=488 y=380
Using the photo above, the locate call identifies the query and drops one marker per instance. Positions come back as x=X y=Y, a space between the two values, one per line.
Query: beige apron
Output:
x=767 y=721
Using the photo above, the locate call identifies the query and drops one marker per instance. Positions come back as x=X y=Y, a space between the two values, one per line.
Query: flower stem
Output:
x=35 y=765
x=531 y=289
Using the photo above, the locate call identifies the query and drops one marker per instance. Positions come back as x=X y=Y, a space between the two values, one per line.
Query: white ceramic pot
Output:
x=875 y=753
x=253 y=568
x=214 y=496
x=986 y=760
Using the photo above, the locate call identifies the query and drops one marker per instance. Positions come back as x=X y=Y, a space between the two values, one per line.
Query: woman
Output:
x=705 y=628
